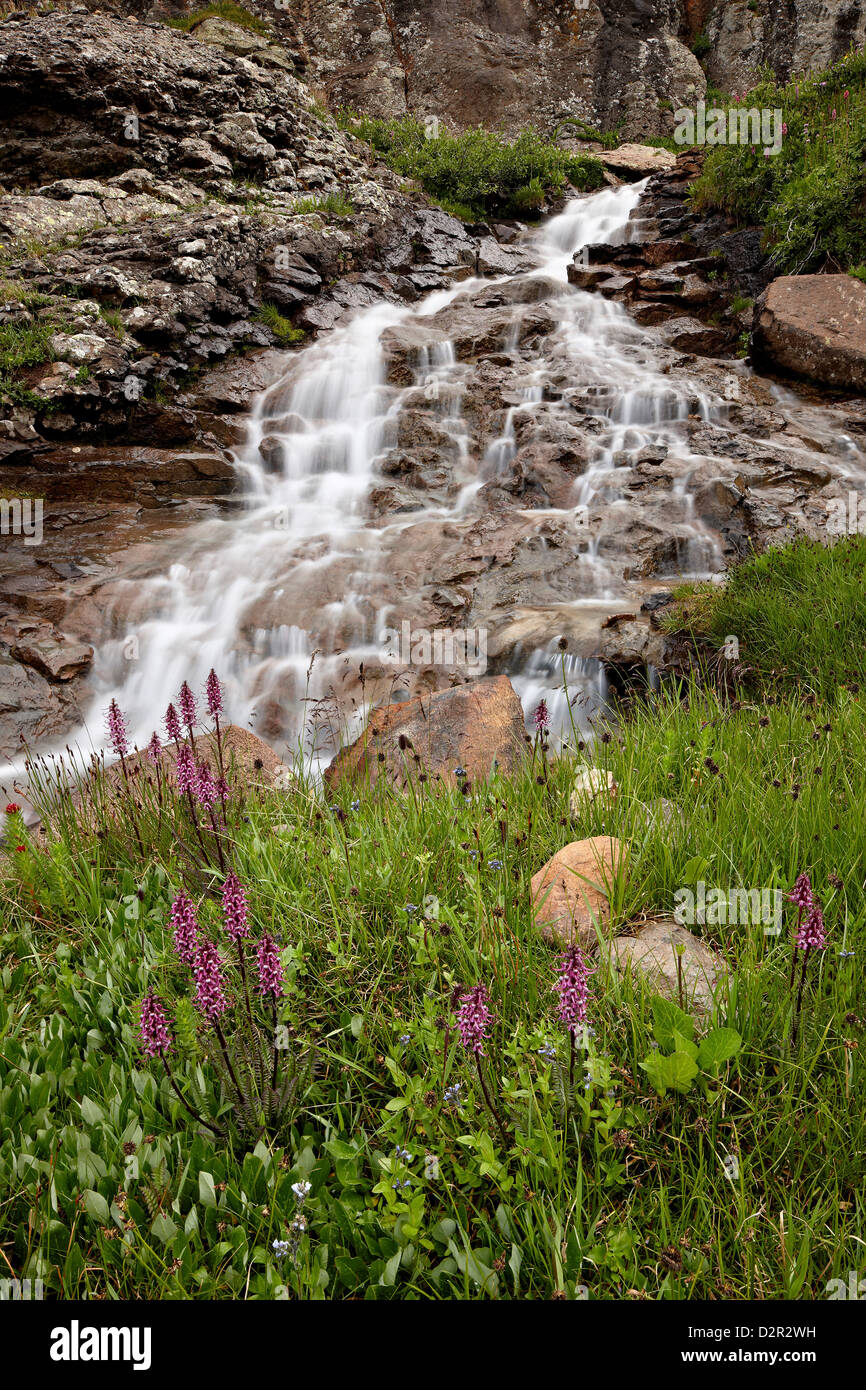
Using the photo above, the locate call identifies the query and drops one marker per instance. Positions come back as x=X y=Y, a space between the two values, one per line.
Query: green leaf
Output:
x=206 y=1189
x=669 y=1019
x=164 y=1228
x=341 y=1150
x=695 y=869
x=719 y=1046
x=674 y=1073
x=681 y=1044
x=683 y=1070
x=357 y=1025
x=91 y=1113
x=389 y=1274
x=95 y=1205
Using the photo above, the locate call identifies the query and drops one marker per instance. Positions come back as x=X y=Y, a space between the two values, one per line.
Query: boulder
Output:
x=635 y=162
x=249 y=762
x=56 y=658
x=570 y=893
x=815 y=327
x=652 y=955
x=477 y=727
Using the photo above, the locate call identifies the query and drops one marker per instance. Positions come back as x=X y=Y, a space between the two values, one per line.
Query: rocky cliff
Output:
x=617 y=63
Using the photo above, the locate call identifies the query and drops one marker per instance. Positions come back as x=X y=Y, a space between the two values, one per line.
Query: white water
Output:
x=300 y=569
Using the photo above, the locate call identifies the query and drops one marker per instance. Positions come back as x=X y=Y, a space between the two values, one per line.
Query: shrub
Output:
x=477 y=173
x=810 y=196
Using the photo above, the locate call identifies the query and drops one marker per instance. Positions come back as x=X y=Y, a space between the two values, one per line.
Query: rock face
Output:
x=799 y=36
x=477 y=727
x=653 y=955
x=570 y=893
x=815 y=326
x=149 y=187
x=463 y=62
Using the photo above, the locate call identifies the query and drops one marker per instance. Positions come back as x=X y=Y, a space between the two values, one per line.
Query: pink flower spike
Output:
x=186 y=700
x=207 y=967
x=235 y=908
x=812 y=933
x=270 y=970
x=572 y=988
x=205 y=787
x=185 y=928
x=801 y=894
x=172 y=723
x=117 y=729
x=185 y=771
x=474 y=1018
x=214 y=695
x=154 y=748
x=155 y=1037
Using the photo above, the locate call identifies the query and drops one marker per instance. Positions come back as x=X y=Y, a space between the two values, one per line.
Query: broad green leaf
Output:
x=91 y=1113
x=669 y=1019
x=206 y=1189
x=95 y=1205
x=681 y=1044
x=719 y=1046
x=683 y=1070
x=675 y=1072
x=164 y=1228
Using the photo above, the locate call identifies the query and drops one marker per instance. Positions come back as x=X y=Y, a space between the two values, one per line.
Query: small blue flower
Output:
x=845 y=954
x=356 y=805
x=410 y=908
x=405 y=1039
x=403 y=1154
x=473 y=854
x=460 y=772
x=494 y=863
x=452 y=1096
x=400 y=1184
x=280 y=1249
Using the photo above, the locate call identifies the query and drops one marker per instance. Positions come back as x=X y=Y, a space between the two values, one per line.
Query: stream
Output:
x=288 y=595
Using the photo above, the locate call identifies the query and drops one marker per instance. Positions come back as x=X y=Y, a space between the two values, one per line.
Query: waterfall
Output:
x=286 y=595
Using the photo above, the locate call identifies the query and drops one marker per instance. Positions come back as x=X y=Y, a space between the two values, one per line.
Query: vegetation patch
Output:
x=478 y=173
x=798 y=614
x=260 y=1043
x=811 y=196
x=222 y=9
x=282 y=328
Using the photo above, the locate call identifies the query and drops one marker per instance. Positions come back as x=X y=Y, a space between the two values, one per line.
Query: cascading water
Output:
x=302 y=570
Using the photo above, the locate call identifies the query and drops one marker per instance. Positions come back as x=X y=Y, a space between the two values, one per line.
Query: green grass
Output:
x=282 y=328
x=798 y=613
x=24 y=345
x=477 y=173
x=222 y=9
x=382 y=904
x=811 y=197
